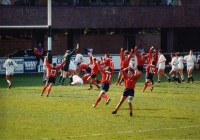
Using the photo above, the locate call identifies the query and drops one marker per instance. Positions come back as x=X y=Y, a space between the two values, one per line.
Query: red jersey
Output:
x=140 y=60
x=125 y=62
x=130 y=81
x=107 y=62
x=53 y=72
x=94 y=66
x=151 y=69
x=83 y=66
x=106 y=75
x=85 y=77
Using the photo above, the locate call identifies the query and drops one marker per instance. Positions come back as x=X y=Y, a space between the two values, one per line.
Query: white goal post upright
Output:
x=48 y=26
x=49 y=14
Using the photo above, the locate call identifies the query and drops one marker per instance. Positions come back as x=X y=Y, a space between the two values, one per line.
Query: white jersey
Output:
x=79 y=59
x=10 y=66
x=72 y=66
x=190 y=60
x=161 y=62
x=174 y=63
x=76 y=80
x=180 y=64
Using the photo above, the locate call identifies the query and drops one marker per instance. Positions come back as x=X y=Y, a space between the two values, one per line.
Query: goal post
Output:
x=48 y=27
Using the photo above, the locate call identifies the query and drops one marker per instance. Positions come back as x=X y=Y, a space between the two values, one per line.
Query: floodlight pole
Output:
x=49 y=13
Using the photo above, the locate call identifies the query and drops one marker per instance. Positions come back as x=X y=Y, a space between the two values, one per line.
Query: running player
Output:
x=174 y=71
x=130 y=80
x=51 y=77
x=10 y=67
x=105 y=83
x=150 y=71
x=190 y=60
x=180 y=66
x=161 y=67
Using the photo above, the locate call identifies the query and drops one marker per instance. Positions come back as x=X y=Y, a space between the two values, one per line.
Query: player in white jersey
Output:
x=76 y=80
x=174 y=71
x=72 y=70
x=10 y=67
x=45 y=71
x=180 y=66
x=161 y=66
x=190 y=60
x=78 y=59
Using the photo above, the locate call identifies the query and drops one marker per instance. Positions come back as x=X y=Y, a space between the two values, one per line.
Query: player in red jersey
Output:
x=130 y=80
x=150 y=71
x=107 y=61
x=92 y=78
x=51 y=77
x=83 y=66
x=125 y=59
x=141 y=59
x=105 y=82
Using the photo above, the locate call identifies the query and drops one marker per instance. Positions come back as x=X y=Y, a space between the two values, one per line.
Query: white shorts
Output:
x=174 y=68
x=189 y=67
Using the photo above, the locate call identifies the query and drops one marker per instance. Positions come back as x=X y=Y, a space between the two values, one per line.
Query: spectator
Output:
x=38 y=51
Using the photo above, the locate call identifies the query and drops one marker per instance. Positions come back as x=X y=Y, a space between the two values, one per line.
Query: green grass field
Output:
x=171 y=111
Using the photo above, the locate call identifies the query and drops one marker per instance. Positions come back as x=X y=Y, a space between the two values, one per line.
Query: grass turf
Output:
x=171 y=111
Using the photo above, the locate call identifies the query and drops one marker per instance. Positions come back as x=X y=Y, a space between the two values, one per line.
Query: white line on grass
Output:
x=139 y=131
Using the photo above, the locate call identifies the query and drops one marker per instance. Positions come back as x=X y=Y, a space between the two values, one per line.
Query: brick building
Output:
x=104 y=25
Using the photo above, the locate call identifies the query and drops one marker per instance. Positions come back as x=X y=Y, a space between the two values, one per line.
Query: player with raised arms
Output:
x=51 y=77
x=105 y=83
x=130 y=80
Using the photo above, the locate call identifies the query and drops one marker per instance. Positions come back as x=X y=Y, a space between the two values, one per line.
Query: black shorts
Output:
x=149 y=76
x=93 y=75
x=51 y=79
x=105 y=86
x=88 y=70
x=128 y=92
x=66 y=68
x=140 y=68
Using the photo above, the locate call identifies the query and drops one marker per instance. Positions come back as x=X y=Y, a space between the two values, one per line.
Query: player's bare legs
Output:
x=123 y=98
x=44 y=88
x=49 y=89
x=8 y=79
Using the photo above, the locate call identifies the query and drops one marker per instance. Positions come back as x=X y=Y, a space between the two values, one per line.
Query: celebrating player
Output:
x=92 y=78
x=67 y=57
x=51 y=78
x=125 y=58
x=180 y=66
x=105 y=82
x=10 y=67
x=130 y=80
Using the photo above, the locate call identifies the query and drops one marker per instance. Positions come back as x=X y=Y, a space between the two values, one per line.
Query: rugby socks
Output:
x=49 y=90
x=60 y=78
x=70 y=79
x=105 y=97
x=98 y=100
x=63 y=80
x=43 y=89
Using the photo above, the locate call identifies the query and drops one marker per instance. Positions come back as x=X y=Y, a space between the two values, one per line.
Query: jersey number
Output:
x=53 y=72
x=108 y=77
x=151 y=70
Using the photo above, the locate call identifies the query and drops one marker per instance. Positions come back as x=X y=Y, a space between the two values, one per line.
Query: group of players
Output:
x=129 y=72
